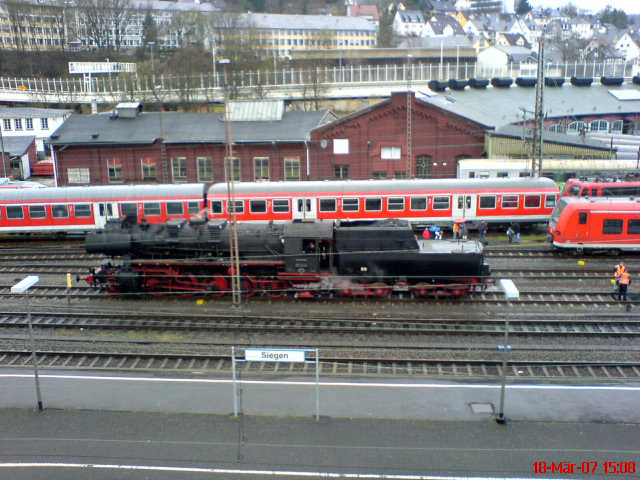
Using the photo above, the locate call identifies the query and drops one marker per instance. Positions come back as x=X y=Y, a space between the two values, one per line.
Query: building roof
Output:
x=442 y=6
x=17 y=146
x=440 y=21
x=501 y=106
x=364 y=11
x=513 y=131
x=433 y=42
x=411 y=16
x=513 y=38
x=28 y=112
x=275 y=21
x=177 y=127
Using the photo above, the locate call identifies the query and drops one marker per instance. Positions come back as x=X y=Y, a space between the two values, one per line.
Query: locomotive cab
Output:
x=308 y=247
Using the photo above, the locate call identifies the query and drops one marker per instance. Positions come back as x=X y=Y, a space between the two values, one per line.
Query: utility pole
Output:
x=229 y=173
x=409 y=118
x=4 y=162
x=538 y=128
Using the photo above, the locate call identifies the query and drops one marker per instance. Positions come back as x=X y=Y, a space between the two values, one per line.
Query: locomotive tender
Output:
x=308 y=259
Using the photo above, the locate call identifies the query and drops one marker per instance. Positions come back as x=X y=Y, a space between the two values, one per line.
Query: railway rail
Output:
x=333 y=366
x=621 y=326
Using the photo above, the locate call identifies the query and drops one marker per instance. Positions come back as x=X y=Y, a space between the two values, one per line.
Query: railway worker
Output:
x=623 y=284
x=620 y=269
x=515 y=228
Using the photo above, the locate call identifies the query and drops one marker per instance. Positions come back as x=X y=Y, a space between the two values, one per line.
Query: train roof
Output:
x=102 y=192
x=384 y=185
x=600 y=203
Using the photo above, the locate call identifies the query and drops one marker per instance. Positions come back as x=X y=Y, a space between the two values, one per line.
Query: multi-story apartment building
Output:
x=57 y=24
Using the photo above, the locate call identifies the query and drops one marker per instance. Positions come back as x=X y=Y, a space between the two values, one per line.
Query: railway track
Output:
x=623 y=326
x=332 y=366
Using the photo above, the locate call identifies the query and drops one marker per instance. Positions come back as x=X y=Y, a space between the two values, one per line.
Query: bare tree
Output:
x=104 y=23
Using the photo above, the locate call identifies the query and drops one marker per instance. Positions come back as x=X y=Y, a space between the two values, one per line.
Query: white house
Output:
x=39 y=122
x=501 y=61
x=409 y=23
x=628 y=47
x=581 y=29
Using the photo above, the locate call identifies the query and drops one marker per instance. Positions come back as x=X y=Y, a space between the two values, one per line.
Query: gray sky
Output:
x=629 y=6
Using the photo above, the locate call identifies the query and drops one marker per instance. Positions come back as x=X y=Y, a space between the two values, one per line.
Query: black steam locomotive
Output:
x=308 y=259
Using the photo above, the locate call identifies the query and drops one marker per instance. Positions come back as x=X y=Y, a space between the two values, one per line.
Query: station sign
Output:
x=274 y=355
x=102 y=67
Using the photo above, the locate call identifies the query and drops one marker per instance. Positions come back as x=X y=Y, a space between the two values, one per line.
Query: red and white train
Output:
x=420 y=202
x=596 y=224
x=84 y=209
x=584 y=188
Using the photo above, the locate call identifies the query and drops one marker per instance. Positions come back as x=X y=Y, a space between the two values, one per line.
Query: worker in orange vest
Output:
x=620 y=269
x=623 y=283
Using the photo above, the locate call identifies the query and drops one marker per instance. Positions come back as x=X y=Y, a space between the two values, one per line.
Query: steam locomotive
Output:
x=305 y=259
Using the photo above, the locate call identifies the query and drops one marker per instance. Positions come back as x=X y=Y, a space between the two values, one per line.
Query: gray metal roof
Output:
x=306 y=22
x=501 y=106
x=8 y=112
x=379 y=186
x=255 y=110
x=103 y=192
x=513 y=131
x=411 y=16
x=17 y=146
x=179 y=127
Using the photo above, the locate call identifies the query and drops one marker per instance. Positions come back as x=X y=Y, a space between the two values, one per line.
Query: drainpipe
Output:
x=306 y=147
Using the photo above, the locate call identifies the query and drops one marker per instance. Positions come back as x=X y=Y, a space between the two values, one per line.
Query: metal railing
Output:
x=256 y=83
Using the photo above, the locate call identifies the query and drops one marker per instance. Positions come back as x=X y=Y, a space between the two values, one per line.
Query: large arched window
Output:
x=576 y=128
x=599 y=126
x=557 y=127
x=423 y=166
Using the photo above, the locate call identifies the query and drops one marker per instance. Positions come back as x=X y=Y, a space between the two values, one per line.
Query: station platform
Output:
x=109 y=425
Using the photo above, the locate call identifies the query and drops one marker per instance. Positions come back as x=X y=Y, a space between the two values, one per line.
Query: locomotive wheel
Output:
x=380 y=289
x=275 y=289
x=216 y=286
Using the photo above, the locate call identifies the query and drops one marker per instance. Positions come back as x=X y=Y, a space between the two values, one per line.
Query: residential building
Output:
x=627 y=46
x=499 y=61
x=37 y=122
x=409 y=23
x=511 y=40
x=369 y=12
x=442 y=25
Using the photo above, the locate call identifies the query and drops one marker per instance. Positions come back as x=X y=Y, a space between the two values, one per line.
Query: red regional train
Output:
x=84 y=209
x=596 y=224
x=581 y=188
x=420 y=202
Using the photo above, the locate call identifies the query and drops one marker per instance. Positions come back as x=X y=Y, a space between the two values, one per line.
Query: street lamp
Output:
x=511 y=293
x=23 y=287
x=153 y=67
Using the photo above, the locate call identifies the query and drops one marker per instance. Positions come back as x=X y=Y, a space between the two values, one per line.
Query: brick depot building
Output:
x=269 y=144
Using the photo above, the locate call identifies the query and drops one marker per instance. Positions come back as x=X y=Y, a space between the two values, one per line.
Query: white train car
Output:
x=558 y=169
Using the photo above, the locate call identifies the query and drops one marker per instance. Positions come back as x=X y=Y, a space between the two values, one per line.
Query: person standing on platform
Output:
x=482 y=230
x=456 y=230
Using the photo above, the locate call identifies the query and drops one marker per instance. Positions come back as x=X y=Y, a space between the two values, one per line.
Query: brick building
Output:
x=372 y=143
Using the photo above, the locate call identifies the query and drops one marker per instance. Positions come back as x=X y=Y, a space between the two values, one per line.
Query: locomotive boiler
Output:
x=305 y=259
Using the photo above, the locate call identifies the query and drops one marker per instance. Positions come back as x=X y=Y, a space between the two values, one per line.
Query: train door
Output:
x=304 y=208
x=464 y=206
x=103 y=211
x=582 y=228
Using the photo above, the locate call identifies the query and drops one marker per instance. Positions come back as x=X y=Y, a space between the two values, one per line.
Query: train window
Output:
x=418 y=203
x=151 y=209
x=82 y=210
x=258 y=206
x=634 y=227
x=550 y=201
x=328 y=205
x=524 y=174
x=37 y=211
x=584 y=192
x=573 y=191
x=128 y=209
x=502 y=174
x=193 y=208
x=281 y=206
x=441 y=203
x=350 y=204
x=15 y=213
x=509 y=201
x=59 y=211
x=582 y=218
x=239 y=206
x=216 y=206
x=395 y=203
x=373 y=204
x=532 y=201
x=472 y=174
x=612 y=226
x=487 y=201
x=175 y=208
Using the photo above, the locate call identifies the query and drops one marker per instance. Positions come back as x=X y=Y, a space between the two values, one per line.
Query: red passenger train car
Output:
x=83 y=209
x=596 y=224
x=583 y=188
x=421 y=202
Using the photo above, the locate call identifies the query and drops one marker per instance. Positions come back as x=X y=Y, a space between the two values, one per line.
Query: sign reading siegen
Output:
x=276 y=355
